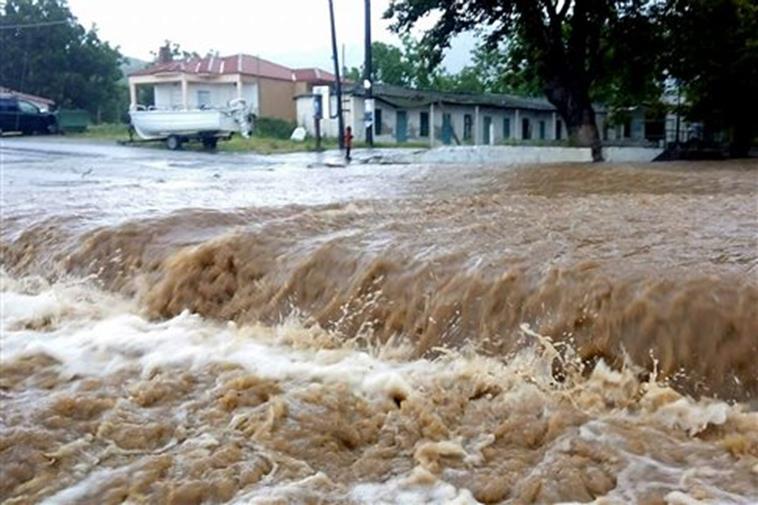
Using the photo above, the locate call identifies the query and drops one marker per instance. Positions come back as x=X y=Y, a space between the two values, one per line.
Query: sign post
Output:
x=317 y=115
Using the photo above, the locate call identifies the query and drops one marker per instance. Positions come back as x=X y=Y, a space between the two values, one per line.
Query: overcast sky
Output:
x=291 y=32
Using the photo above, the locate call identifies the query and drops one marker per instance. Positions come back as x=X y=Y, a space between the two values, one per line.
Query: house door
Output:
x=487 y=130
x=401 y=126
x=447 y=129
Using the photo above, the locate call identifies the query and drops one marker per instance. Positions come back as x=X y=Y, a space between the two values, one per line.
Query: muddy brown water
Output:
x=535 y=334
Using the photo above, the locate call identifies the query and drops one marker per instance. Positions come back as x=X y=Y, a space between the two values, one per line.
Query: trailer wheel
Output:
x=173 y=142
x=210 y=143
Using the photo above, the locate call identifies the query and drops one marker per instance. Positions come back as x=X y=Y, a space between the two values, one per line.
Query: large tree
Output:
x=45 y=51
x=572 y=47
x=712 y=53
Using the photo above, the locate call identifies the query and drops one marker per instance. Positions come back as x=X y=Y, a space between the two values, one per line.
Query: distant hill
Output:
x=132 y=65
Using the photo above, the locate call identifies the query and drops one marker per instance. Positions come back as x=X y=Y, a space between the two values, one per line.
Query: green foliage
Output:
x=403 y=66
x=712 y=51
x=177 y=52
x=391 y=65
x=274 y=128
x=571 y=50
x=62 y=61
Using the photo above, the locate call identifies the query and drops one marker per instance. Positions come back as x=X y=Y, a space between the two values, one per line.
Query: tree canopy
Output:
x=571 y=48
x=712 y=53
x=620 y=52
x=45 y=51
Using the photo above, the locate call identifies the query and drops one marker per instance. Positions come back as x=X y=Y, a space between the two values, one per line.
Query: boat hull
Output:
x=160 y=124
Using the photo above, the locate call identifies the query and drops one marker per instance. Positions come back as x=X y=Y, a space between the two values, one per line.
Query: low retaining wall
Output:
x=513 y=155
x=631 y=154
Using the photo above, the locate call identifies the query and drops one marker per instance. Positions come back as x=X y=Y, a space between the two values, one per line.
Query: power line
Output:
x=33 y=25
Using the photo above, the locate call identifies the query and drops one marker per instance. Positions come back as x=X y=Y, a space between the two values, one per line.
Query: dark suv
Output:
x=22 y=116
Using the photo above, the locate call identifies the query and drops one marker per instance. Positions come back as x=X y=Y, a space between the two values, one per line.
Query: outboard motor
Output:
x=240 y=112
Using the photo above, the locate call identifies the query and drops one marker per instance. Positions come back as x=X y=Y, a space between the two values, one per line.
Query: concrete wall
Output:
x=169 y=95
x=514 y=155
x=219 y=94
x=329 y=126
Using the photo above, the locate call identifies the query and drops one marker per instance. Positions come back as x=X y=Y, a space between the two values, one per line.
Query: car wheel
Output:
x=173 y=142
x=52 y=129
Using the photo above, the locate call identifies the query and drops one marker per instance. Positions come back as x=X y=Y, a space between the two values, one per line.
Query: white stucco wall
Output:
x=169 y=95
x=304 y=110
x=220 y=93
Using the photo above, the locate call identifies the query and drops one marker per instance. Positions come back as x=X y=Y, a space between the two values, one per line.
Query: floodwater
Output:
x=182 y=328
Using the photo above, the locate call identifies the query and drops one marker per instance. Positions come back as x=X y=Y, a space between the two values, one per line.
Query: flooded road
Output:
x=186 y=328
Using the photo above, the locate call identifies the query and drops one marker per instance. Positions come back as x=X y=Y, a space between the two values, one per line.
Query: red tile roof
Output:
x=244 y=64
x=314 y=75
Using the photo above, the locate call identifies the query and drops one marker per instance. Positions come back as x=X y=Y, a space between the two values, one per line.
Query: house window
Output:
x=526 y=129
x=203 y=98
x=558 y=129
x=468 y=124
x=423 y=130
x=507 y=128
x=377 y=121
x=542 y=130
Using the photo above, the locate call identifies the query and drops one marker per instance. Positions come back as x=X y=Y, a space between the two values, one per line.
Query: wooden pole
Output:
x=335 y=56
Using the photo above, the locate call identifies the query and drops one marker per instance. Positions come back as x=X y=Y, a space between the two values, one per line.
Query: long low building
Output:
x=407 y=115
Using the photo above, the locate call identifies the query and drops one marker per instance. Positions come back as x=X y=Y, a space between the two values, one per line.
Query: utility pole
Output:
x=340 y=119
x=368 y=81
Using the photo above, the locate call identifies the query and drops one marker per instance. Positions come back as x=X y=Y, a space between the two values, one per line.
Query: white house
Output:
x=212 y=81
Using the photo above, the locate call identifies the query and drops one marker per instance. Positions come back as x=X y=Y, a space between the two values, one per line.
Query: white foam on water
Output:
x=84 y=490
x=91 y=340
x=407 y=490
x=95 y=334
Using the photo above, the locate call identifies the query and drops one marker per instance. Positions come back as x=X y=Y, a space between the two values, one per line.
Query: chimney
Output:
x=164 y=54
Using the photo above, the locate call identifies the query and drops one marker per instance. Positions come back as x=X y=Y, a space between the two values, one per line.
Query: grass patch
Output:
x=271 y=145
x=105 y=131
x=258 y=143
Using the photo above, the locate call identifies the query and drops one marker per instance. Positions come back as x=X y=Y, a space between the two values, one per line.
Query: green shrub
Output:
x=271 y=127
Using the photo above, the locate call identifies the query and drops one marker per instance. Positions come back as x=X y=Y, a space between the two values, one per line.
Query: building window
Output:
x=377 y=121
x=558 y=129
x=203 y=98
x=423 y=130
x=542 y=130
x=507 y=128
x=526 y=129
x=468 y=125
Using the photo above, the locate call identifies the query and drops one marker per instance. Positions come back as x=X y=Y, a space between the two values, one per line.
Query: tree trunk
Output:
x=741 y=138
x=575 y=108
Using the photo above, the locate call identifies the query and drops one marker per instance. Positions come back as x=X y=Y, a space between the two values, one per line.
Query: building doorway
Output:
x=487 y=138
x=401 y=126
x=447 y=129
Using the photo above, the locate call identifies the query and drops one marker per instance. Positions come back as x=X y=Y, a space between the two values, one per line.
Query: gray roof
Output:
x=406 y=98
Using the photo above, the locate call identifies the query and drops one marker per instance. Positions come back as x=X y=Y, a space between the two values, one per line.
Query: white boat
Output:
x=178 y=126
